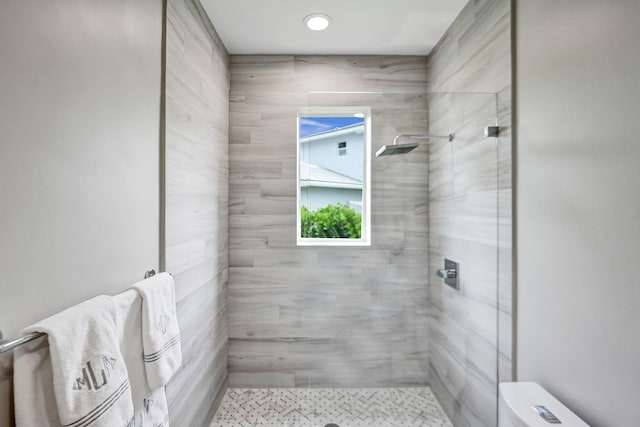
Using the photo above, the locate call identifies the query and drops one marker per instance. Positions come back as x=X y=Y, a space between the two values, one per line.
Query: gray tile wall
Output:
x=470 y=214
x=311 y=316
x=196 y=191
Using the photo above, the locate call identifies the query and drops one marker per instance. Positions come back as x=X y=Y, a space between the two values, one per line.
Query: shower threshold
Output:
x=318 y=407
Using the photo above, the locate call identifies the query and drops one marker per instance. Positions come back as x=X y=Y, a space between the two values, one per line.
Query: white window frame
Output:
x=365 y=239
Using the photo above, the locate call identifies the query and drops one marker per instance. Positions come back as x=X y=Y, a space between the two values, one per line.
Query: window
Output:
x=334 y=185
x=342 y=148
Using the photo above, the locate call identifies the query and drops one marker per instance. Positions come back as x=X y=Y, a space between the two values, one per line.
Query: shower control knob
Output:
x=450 y=273
x=447 y=274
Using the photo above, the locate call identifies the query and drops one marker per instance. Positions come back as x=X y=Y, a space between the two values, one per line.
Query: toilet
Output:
x=527 y=404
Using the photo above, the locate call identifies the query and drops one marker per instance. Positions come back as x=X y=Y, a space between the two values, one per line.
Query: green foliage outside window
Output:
x=331 y=221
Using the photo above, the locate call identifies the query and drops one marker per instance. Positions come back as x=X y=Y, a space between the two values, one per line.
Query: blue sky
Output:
x=311 y=125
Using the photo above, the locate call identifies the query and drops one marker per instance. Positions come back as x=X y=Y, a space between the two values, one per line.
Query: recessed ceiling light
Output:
x=317 y=21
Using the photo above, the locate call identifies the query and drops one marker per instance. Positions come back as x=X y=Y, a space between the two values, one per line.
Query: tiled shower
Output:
x=308 y=318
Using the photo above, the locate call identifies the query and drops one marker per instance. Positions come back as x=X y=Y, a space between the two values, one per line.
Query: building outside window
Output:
x=333 y=184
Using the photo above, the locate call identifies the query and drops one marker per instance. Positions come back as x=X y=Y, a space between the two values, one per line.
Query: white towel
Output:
x=86 y=373
x=160 y=331
x=35 y=404
x=150 y=406
x=129 y=306
x=154 y=411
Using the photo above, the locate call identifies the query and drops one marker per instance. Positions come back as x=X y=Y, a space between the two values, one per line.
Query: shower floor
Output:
x=343 y=407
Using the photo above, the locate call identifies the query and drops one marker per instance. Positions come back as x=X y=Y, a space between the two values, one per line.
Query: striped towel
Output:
x=86 y=376
x=150 y=405
x=154 y=411
x=160 y=331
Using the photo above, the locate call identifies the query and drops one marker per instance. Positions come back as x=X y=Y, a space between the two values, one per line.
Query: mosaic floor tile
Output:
x=361 y=407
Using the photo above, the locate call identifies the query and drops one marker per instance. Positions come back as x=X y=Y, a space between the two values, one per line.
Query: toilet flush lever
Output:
x=450 y=273
x=546 y=414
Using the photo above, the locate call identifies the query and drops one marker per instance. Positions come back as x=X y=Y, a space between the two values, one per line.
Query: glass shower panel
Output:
x=378 y=316
x=505 y=235
x=463 y=227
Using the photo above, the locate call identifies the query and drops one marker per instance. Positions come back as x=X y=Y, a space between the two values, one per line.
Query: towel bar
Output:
x=7 y=345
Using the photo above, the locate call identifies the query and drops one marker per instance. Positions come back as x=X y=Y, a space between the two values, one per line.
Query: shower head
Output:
x=395 y=148
x=389 y=150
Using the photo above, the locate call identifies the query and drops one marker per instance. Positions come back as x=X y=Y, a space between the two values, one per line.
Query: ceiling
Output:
x=360 y=27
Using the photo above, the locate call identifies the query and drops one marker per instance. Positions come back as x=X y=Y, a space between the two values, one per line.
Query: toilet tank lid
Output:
x=521 y=397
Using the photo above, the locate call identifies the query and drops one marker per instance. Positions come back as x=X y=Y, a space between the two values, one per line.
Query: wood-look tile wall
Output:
x=196 y=191
x=325 y=316
x=470 y=214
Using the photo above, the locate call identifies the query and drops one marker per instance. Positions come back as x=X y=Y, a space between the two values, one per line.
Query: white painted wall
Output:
x=324 y=152
x=578 y=167
x=79 y=138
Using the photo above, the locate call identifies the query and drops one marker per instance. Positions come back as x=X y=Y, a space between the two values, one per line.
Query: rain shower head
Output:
x=395 y=148
x=389 y=150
